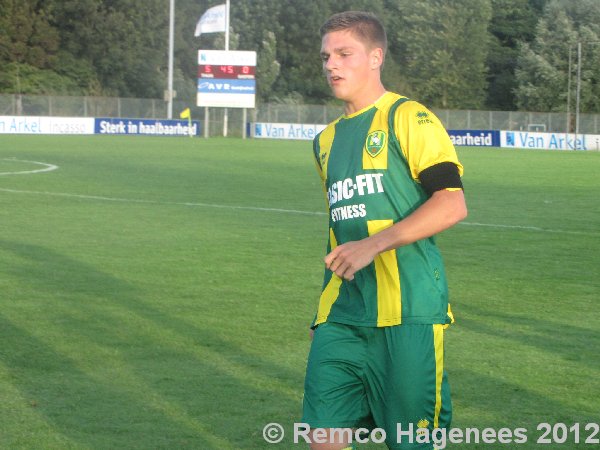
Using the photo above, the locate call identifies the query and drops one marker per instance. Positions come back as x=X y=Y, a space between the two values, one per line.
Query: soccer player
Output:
x=392 y=181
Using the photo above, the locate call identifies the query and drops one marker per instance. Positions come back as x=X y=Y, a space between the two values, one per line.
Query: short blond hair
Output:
x=364 y=25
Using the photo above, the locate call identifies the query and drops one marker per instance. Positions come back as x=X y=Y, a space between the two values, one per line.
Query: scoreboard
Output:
x=226 y=78
x=226 y=72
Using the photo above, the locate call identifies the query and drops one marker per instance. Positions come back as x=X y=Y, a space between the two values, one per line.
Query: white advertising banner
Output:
x=549 y=141
x=46 y=125
x=285 y=130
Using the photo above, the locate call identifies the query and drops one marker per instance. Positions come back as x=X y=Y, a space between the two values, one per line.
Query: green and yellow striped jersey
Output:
x=369 y=163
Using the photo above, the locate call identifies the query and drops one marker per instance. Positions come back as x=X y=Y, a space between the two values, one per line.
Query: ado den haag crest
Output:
x=375 y=142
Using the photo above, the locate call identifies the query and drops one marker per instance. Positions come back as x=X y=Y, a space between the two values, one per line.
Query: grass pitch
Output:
x=156 y=292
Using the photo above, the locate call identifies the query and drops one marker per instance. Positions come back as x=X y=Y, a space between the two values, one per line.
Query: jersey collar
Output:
x=366 y=108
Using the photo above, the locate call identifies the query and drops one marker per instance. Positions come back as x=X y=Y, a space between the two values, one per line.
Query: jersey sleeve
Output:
x=320 y=160
x=316 y=157
x=423 y=139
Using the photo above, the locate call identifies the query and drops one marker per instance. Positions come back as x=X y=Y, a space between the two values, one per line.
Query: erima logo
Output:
x=423 y=118
x=375 y=143
x=421 y=425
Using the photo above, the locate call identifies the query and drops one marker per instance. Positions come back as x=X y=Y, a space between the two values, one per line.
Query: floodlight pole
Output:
x=225 y=115
x=171 y=45
x=569 y=94
x=578 y=94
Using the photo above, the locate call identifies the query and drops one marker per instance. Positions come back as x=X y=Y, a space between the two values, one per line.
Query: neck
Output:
x=370 y=97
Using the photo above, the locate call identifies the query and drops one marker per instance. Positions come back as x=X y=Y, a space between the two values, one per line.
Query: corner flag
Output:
x=186 y=114
x=212 y=21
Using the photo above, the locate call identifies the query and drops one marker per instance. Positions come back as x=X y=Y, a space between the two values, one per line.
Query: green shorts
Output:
x=378 y=378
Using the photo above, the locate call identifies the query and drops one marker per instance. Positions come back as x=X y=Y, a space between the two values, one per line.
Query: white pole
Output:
x=244 y=119
x=225 y=116
x=568 y=130
x=170 y=76
x=227 y=25
x=578 y=91
x=206 y=122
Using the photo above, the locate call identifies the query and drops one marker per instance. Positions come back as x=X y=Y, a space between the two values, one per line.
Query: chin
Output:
x=338 y=93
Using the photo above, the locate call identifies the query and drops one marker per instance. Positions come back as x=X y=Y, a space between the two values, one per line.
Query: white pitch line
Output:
x=522 y=227
x=529 y=228
x=158 y=202
x=276 y=210
x=47 y=168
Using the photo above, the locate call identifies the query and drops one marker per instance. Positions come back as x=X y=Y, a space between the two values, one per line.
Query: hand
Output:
x=347 y=259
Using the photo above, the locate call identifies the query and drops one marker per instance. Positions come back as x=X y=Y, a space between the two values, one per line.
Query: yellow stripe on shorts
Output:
x=438 y=343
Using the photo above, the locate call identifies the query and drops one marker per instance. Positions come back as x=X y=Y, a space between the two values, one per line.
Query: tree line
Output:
x=457 y=54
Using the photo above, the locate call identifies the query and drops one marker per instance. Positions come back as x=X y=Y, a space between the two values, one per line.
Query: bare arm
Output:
x=441 y=211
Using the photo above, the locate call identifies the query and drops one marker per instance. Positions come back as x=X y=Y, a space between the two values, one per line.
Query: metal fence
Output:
x=39 y=105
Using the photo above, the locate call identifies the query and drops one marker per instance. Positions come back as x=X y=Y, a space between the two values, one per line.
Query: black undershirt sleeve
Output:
x=440 y=176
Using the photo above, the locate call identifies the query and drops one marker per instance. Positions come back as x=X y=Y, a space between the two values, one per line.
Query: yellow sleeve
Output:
x=321 y=158
x=423 y=139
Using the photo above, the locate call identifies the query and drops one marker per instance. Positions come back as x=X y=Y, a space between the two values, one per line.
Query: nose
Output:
x=330 y=63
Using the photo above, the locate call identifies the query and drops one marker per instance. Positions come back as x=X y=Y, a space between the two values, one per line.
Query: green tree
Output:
x=27 y=79
x=513 y=22
x=443 y=49
x=26 y=35
x=268 y=68
x=298 y=49
x=77 y=22
x=123 y=41
x=543 y=70
x=28 y=48
x=437 y=49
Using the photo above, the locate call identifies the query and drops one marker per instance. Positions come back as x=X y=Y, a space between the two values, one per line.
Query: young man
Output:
x=392 y=180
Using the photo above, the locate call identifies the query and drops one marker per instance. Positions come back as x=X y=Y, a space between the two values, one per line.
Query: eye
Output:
x=324 y=58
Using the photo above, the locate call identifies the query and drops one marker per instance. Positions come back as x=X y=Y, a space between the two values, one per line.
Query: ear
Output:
x=376 y=58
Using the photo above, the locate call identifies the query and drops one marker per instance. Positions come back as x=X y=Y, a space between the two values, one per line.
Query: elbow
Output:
x=457 y=215
x=461 y=212
x=460 y=206
x=456 y=206
x=453 y=207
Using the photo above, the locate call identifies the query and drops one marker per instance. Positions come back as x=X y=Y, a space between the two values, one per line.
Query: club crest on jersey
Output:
x=375 y=142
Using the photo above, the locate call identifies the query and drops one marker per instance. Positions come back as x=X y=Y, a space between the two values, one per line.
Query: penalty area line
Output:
x=47 y=167
x=264 y=209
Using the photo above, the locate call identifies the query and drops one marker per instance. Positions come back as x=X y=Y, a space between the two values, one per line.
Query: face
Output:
x=351 y=68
